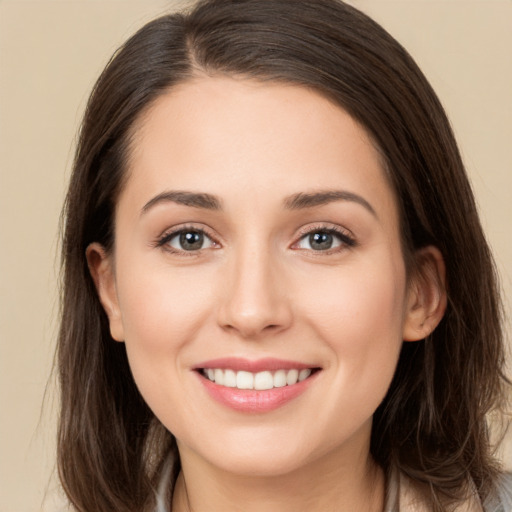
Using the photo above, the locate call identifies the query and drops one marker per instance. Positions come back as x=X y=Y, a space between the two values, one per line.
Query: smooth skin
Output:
x=291 y=250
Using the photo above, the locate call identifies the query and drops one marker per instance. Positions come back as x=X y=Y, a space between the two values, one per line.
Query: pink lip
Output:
x=238 y=364
x=248 y=400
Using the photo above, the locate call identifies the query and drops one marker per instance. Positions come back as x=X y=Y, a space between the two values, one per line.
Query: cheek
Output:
x=160 y=305
x=162 y=311
x=365 y=305
x=359 y=315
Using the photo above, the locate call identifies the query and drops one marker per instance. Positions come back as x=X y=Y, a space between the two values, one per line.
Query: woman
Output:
x=277 y=293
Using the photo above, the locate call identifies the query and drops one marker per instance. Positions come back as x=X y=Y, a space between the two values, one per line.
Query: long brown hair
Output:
x=432 y=423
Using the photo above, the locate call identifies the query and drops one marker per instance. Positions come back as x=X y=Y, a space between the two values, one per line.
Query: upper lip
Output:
x=253 y=366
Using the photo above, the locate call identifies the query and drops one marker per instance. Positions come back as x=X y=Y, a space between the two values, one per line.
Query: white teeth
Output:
x=229 y=378
x=219 y=376
x=244 y=380
x=280 y=379
x=303 y=374
x=258 y=381
x=292 y=376
x=263 y=380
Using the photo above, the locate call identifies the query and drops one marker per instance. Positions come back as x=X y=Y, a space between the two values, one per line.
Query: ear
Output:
x=426 y=295
x=102 y=272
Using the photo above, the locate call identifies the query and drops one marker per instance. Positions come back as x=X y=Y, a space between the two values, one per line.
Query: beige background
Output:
x=50 y=55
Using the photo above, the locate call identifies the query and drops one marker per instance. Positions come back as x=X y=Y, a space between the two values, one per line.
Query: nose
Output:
x=254 y=303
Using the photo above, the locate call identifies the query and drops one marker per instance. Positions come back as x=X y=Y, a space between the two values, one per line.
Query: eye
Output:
x=187 y=240
x=324 y=240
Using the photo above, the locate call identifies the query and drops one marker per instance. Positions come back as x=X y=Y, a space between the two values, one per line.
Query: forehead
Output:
x=222 y=135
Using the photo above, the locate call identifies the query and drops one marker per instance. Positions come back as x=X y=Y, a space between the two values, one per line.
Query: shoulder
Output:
x=408 y=496
x=501 y=499
x=415 y=497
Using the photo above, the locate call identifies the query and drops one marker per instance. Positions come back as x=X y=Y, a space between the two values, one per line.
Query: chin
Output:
x=269 y=455
x=261 y=464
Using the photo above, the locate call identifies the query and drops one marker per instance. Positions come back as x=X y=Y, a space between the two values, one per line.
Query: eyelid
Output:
x=163 y=239
x=346 y=237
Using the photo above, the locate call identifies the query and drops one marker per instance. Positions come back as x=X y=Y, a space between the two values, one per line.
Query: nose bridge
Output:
x=254 y=302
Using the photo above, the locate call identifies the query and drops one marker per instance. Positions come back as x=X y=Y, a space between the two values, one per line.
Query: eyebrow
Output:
x=194 y=199
x=299 y=201
x=322 y=197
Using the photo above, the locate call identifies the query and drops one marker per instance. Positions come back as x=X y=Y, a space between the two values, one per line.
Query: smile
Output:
x=258 y=381
x=255 y=386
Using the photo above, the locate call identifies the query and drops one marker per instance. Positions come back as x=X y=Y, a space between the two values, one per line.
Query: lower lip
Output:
x=252 y=401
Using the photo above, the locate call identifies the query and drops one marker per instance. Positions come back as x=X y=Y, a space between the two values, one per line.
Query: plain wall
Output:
x=50 y=55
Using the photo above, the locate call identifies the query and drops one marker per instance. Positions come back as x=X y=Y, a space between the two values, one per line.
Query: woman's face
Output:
x=257 y=244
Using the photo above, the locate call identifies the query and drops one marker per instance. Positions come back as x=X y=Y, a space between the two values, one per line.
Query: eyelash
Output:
x=346 y=240
x=163 y=241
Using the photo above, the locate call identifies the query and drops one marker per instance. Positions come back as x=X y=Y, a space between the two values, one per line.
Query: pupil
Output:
x=320 y=241
x=192 y=240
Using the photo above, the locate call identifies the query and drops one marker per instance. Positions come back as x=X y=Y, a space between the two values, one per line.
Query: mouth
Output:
x=260 y=381
x=255 y=386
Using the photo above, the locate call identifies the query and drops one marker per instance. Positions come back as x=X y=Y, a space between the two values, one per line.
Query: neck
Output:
x=327 y=484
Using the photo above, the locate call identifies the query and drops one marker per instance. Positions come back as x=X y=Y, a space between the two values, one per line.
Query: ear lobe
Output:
x=426 y=302
x=102 y=273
